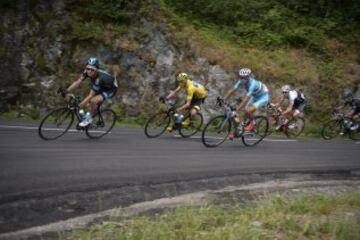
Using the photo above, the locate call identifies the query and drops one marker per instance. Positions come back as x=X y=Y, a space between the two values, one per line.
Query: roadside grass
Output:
x=271 y=216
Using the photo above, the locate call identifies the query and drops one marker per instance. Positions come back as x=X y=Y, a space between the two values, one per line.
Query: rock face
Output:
x=40 y=56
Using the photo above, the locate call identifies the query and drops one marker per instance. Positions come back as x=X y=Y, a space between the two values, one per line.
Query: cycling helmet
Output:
x=182 y=77
x=285 y=88
x=347 y=93
x=244 y=72
x=93 y=61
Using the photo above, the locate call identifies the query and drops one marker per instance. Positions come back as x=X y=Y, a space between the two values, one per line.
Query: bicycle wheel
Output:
x=56 y=123
x=355 y=134
x=216 y=131
x=331 y=129
x=258 y=133
x=295 y=127
x=157 y=124
x=191 y=125
x=102 y=124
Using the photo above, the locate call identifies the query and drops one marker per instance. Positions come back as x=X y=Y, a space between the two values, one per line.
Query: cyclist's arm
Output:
x=242 y=103
x=350 y=114
x=277 y=104
x=229 y=93
x=185 y=106
x=288 y=109
x=173 y=93
x=189 y=96
x=76 y=84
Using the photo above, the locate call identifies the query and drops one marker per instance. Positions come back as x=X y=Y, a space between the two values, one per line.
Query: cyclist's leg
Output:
x=95 y=102
x=196 y=106
x=256 y=103
x=86 y=100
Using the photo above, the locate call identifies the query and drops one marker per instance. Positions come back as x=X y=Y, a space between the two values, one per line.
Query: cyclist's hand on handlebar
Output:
x=220 y=101
x=62 y=92
x=162 y=99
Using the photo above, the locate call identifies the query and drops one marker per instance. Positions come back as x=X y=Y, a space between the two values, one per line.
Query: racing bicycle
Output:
x=277 y=122
x=57 y=122
x=339 y=124
x=217 y=130
x=159 y=122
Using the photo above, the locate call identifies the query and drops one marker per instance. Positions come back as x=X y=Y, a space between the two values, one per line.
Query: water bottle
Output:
x=82 y=114
x=178 y=117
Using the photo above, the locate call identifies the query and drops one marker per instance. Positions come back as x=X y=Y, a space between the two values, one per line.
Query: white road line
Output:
x=48 y=129
x=18 y=127
x=266 y=139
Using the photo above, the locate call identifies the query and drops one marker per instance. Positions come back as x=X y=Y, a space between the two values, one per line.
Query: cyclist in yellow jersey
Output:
x=195 y=96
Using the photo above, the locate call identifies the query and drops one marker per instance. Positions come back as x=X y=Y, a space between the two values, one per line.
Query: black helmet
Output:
x=93 y=61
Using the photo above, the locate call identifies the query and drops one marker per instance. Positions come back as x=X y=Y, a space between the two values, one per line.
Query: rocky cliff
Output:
x=43 y=48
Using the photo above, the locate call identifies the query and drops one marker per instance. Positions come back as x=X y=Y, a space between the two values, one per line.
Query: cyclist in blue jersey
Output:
x=257 y=96
x=354 y=104
x=103 y=87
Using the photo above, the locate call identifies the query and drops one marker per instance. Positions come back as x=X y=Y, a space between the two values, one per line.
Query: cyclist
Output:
x=354 y=103
x=295 y=106
x=257 y=96
x=195 y=97
x=103 y=87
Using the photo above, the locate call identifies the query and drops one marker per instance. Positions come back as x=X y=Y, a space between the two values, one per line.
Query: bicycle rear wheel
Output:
x=331 y=129
x=258 y=133
x=216 y=131
x=191 y=125
x=157 y=124
x=102 y=124
x=56 y=123
x=295 y=127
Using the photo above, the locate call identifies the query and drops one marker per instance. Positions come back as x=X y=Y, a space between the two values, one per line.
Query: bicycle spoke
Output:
x=191 y=125
x=260 y=131
x=157 y=124
x=56 y=124
x=102 y=124
x=216 y=131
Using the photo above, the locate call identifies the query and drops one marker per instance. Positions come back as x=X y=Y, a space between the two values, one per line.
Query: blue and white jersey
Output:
x=254 y=87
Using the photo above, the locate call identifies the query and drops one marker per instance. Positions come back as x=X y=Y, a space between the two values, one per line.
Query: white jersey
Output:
x=293 y=94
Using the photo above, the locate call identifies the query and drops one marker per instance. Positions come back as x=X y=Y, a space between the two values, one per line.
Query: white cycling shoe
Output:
x=86 y=122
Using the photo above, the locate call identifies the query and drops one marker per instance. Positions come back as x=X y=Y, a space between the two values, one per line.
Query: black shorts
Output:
x=197 y=102
x=105 y=93
x=299 y=104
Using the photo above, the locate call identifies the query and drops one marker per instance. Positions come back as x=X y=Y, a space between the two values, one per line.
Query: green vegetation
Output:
x=305 y=216
x=312 y=45
x=273 y=23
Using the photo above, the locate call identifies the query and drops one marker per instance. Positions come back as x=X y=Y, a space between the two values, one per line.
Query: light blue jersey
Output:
x=257 y=91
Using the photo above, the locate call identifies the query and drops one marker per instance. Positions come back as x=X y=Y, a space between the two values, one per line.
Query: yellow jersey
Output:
x=193 y=90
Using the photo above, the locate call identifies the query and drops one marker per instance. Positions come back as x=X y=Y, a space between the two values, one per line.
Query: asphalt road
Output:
x=31 y=168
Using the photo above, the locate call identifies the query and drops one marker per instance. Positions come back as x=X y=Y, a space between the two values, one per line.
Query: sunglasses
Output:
x=90 y=69
x=284 y=92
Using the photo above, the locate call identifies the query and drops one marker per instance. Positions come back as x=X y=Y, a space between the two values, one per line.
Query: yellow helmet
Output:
x=182 y=77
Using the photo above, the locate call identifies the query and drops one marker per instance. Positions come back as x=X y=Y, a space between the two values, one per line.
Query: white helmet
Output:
x=285 y=88
x=244 y=72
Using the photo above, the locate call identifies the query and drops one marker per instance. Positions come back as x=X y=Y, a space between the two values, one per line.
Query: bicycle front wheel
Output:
x=102 y=124
x=258 y=133
x=295 y=127
x=331 y=129
x=157 y=124
x=216 y=131
x=191 y=125
x=355 y=134
x=56 y=123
